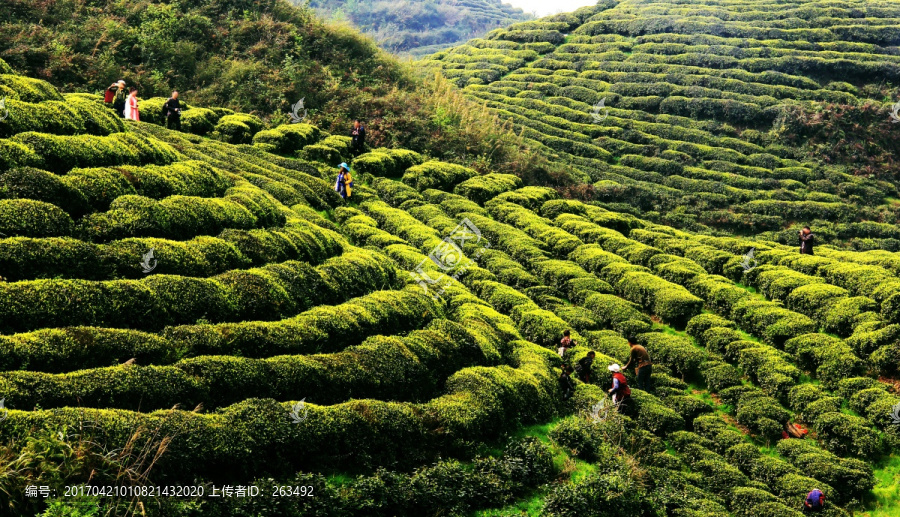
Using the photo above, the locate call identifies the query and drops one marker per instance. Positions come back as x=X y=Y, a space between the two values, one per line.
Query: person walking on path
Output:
x=807 y=239
x=358 y=138
x=131 y=106
x=621 y=393
x=117 y=95
x=171 y=112
x=583 y=367
x=565 y=343
x=643 y=368
x=566 y=384
x=815 y=501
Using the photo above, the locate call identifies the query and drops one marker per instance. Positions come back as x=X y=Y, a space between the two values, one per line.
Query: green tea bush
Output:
x=438 y=175
x=235 y=129
x=669 y=301
x=675 y=352
x=483 y=188
x=29 y=218
x=61 y=153
x=287 y=138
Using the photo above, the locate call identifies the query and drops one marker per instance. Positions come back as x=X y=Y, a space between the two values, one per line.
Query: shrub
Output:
x=199 y=121
x=670 y=302
x=287 y=138
x=437 y=175
x=29 y=218
x=673 y=351
x=483 y=188
x=236 y=129
x=617 y=313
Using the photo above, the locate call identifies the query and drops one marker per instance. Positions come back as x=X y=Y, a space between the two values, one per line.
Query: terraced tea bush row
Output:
x=73 y=116
x=266 y=293
x=28 y=258
x=62 y=153
x=480 y=403
x=85 y=190
x=382 y=367
x=287 y=138
x=322 y=329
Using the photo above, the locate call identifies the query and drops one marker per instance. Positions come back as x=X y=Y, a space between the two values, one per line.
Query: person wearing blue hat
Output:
x=344 y=181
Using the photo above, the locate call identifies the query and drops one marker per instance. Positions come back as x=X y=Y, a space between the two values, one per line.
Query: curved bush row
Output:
x=841 y=433
x=27 y=89
x=386 y=162
x=29 y=258
x=768 y=367
x=62 y=153
x=437 y=175
x=85 y=190
x=73 y=116
x=671 y=302
x=244 y=207
x=534 y=225
x=859 y=279
x=322 y=329
x=279 y=172
x=409 y=368
x=270 y=292
x=237 y=129
x=482 y=188
x=257 y=435
x=287 y=138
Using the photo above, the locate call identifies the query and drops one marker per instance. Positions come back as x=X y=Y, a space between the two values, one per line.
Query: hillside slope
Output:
x=259 y=56
x=182 y=310
x=743 y=117
x=419 y=27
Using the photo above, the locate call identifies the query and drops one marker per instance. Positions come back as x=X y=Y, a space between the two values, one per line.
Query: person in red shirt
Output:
x=621 y=393
x=565 y=343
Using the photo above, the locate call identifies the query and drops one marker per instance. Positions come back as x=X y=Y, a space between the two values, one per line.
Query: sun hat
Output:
x=614 y=367
x=344 y=165
x=121 y=81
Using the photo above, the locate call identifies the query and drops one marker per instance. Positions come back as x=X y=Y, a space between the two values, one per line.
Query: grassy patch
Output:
x=885 y=499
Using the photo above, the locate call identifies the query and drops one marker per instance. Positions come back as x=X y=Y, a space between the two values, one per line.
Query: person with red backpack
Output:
x=116 y=95
x=621 y=393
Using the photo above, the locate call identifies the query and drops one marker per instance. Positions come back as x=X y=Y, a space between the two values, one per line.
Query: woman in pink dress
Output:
x=131 y=106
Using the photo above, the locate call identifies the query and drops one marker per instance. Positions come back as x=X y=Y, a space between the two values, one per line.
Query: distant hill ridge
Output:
x=737 y=116
x=419 y=27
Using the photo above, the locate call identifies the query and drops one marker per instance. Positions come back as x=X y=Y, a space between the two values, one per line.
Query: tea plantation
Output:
x=738 y=117
x=196 y=324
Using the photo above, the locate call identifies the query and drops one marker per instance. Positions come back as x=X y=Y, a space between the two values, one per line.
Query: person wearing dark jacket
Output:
x=119 y=96
x=583 y=367
x=807 y=239
x=358 y=138
x=566 y=384
x=643 y=368
x=171 y=112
